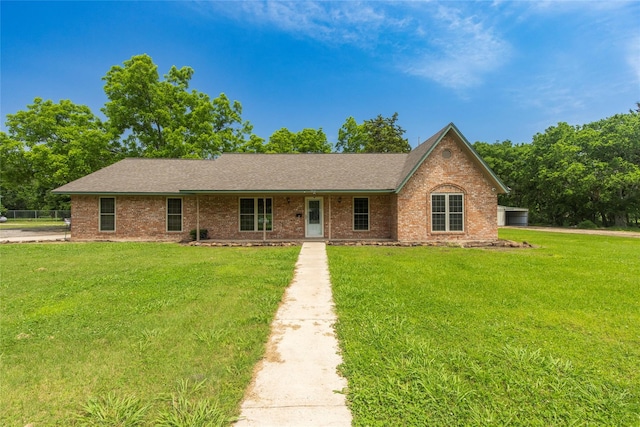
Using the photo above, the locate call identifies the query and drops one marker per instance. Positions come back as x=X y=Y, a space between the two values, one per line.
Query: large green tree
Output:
x=507 y=160
x=377 y=135
x=306 y=141
x=162 y=118
x=573 y=173
x=48 y=145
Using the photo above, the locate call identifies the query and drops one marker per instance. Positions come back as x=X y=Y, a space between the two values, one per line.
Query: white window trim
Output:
x=256 y=214
x=447 y=213
x=353 y=217
x=166 y=206
x=100 y=215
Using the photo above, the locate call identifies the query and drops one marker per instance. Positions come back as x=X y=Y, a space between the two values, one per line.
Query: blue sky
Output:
x=498 y=70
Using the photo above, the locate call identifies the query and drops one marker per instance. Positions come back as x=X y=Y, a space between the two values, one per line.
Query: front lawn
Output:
x=450 y=336
x=164 y=334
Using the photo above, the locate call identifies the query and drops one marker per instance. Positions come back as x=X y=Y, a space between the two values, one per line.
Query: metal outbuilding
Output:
x=508 y=215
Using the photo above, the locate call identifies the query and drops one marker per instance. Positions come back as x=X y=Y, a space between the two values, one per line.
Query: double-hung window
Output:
x=107 y=214
x=447 y=212
x=174 y=214
x=361 y=213
x=256 y=214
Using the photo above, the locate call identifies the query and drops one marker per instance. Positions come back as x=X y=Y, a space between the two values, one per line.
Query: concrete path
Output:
x=297 y=384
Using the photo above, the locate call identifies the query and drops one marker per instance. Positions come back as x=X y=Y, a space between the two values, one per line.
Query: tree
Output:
x=49 y=145
x=614 y=147
x=507 y=160
x=573 y=173
x=377 y=135
x=162 y=118
x=306 y=141
x=352 y=137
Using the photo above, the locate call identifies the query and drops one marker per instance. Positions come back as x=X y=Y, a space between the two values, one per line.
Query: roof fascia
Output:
x=480 y=160
x=114 y=193
x=247 y=191
x=419 y=163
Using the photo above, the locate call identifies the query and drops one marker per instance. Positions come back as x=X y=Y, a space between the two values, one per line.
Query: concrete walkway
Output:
x=297 y=384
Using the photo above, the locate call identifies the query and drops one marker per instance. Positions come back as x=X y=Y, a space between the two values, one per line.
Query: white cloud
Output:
x=425 y=39
x=349 y=22
x=462 y=51
x=633 y=57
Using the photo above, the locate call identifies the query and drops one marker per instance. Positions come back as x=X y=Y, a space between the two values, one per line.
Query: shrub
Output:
x=586 y=224
x=204 y=234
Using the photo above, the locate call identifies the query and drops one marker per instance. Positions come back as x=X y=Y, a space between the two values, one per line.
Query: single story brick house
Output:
x=442 y=190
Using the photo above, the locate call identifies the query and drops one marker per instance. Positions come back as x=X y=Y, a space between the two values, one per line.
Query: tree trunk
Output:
x=620 y=219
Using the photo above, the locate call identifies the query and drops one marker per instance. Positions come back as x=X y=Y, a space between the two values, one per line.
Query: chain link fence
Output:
x=36 y=215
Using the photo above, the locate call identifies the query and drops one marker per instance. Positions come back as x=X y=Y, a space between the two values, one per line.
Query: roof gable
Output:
x=417 y=157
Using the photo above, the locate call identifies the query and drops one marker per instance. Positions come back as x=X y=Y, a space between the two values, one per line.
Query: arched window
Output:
x=447 y=212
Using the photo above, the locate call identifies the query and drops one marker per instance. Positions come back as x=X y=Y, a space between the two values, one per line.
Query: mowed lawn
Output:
x=155 y=334
x=449 y=336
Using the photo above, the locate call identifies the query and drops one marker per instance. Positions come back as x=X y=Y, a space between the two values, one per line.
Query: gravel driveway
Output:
x=33 y=234
x=582 y=231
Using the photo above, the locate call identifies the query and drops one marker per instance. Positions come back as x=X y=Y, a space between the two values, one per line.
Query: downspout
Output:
x=329 y=217
x=264 y=219
x=197 y=218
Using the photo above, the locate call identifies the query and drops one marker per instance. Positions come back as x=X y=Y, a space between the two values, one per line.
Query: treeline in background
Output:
x=565 y=176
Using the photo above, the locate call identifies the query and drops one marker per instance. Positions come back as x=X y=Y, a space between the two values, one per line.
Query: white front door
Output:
x=314 y=217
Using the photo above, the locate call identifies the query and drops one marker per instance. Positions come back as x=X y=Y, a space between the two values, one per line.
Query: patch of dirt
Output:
x=598 y=232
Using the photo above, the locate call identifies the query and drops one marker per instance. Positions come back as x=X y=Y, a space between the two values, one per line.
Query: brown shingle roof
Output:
x=259 y=173
x=246 y=172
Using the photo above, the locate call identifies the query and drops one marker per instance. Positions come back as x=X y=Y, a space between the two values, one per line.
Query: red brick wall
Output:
x=137 y=218
x=144 y=218
x=459 y=173
x=380 y=217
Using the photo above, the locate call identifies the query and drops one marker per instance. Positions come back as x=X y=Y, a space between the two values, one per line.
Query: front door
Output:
x=314 y=217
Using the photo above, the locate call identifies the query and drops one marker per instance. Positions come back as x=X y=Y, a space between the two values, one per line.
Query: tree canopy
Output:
x=47 y=146
x=569 y=174
x=162 y=118
x=306 y=141
x=377 y=135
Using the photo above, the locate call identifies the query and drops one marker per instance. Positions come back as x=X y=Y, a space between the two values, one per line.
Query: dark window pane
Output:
x=107 y=222
x=247 y=206
x=174 y=206
x=254 y=209
x=361 y=205
x=455 y=203
x=438 y=203
x=360 y=222
x=438 y=222
x=246 y=223
x=174 y=214
x=108 y=205
x=314 y=211
x=174 y=223
x=107 y=214
x=360 y=213
x=455 y=222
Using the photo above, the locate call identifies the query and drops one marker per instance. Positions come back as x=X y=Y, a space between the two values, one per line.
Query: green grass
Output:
x=450 y=336
x=133 y=333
